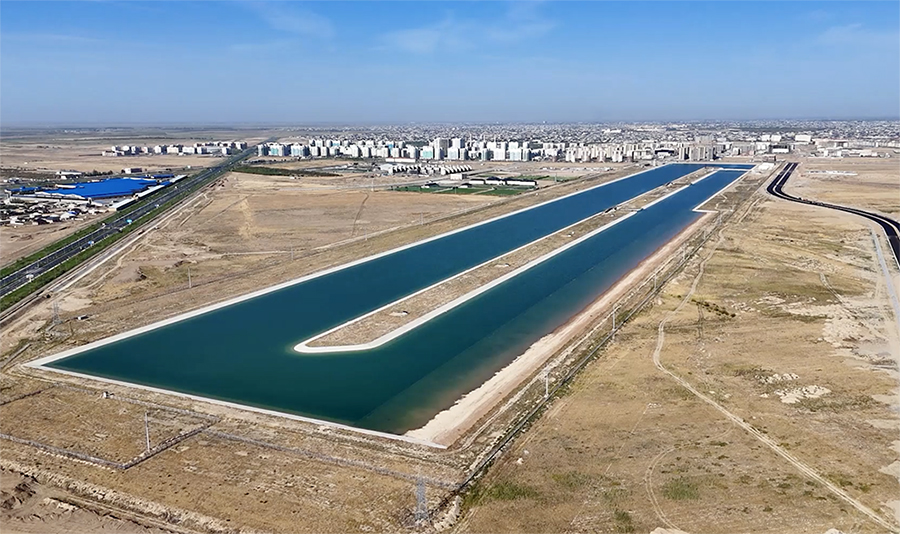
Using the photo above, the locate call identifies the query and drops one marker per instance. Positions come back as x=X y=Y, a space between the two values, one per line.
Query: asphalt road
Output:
x=153 y=205
x=891 y=227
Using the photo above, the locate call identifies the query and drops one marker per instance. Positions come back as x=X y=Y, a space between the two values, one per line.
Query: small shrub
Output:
x=624 y=523
x=510 y=491
x=680 y=489
x=499 y=491
x=572 y=479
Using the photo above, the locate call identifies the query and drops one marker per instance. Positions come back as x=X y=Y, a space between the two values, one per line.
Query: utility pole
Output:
x=546 y=384
x=421 y=515
x=147 y=431
x=190 y=284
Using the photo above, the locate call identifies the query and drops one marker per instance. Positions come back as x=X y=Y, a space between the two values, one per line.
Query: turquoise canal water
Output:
x=243 y=353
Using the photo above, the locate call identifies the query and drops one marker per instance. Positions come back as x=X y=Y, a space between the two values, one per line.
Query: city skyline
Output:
x=391 y=63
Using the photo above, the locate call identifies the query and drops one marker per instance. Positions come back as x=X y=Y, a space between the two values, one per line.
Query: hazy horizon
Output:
x=175 y=64
x=324 y=124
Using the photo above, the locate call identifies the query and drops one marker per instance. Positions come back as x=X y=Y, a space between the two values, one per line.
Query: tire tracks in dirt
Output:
x=739 y=421
x=362 y=206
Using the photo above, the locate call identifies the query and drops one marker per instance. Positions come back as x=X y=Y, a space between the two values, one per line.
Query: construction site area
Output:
x=741 y=378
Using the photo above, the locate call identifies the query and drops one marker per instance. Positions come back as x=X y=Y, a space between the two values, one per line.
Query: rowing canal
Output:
x=243 y=352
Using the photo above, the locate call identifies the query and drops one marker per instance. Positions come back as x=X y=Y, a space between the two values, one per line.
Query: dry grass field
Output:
x=789 y=328
x=880 y=178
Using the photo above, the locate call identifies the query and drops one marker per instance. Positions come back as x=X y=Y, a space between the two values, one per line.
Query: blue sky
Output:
x=394 y=62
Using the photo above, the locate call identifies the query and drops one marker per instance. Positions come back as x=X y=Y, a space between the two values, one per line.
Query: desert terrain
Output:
x=787 y=326
x=819 y=179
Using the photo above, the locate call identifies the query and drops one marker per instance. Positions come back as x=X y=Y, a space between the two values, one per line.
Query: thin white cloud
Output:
x=857 y=35
x=448 y=34
x=521 y=22
x=514 y=34
x=260 y=47
x=284 y=17
x=419 y=40
x=818 y=15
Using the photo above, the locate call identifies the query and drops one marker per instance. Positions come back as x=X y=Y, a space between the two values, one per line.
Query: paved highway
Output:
x=153 y=205
x=891 y=227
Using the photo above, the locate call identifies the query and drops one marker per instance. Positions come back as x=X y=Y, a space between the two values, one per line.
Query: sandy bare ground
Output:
x=789 y=301
x=796 y=395
x=880 y=177
x=29 y=507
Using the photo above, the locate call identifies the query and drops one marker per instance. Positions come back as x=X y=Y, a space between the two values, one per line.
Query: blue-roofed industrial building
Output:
x=110 y=188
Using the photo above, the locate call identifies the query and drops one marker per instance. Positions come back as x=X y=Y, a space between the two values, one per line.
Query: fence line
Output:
x=334 y=459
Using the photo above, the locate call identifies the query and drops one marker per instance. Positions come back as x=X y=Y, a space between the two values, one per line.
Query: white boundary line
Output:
x=712 y=196
x=42 y=362
x=304 y=348
x=394 y=334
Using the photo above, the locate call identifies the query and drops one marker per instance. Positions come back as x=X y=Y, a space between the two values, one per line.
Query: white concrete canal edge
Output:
x=41 y=363
x=304 y=347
